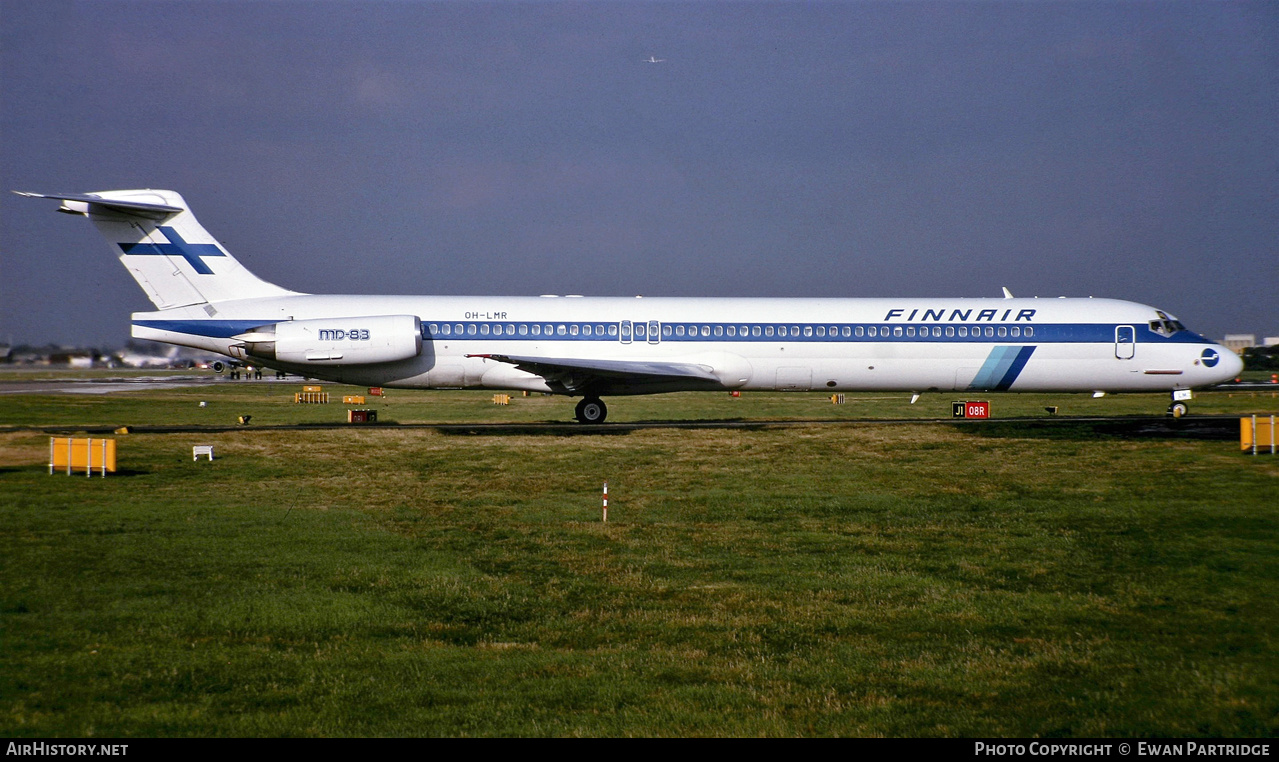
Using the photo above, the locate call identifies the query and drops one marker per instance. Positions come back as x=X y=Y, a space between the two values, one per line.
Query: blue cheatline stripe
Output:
x=1001 y=368
x=215 y=329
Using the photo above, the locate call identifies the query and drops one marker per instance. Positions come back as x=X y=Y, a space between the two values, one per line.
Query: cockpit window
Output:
x=1166 y=327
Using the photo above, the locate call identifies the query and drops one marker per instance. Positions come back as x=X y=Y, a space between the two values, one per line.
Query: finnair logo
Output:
x=1210 y=358
x=176 y=247
x=937 y=316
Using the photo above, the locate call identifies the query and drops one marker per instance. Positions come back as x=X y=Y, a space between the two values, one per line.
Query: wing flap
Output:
x=577 y=373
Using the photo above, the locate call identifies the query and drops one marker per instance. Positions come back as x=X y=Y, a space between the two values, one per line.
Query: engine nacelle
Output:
x=335 y=341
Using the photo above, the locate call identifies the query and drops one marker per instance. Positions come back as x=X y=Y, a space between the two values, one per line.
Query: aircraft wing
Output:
x=576 y=374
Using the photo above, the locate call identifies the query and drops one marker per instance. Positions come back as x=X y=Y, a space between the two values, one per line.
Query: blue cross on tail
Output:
x=191 y=252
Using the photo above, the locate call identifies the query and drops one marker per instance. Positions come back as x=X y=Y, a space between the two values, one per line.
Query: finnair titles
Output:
x=603 y=346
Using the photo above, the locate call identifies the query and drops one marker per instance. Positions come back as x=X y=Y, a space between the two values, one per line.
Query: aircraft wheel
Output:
x=591 y=410
x=1178 y=409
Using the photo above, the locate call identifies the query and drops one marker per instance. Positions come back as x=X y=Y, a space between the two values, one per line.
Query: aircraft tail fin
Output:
x=171 y=256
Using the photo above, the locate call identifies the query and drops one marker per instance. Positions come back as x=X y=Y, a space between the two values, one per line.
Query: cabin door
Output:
x=1125 y=342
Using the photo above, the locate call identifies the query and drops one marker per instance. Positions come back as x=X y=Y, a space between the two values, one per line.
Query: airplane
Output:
x=654 y=59
x=131 y=359
x=593 y=347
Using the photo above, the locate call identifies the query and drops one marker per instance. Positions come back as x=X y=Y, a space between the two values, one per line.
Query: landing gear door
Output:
x=1125 y=342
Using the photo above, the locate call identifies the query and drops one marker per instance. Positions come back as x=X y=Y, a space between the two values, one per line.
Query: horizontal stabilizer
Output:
x=85 y=203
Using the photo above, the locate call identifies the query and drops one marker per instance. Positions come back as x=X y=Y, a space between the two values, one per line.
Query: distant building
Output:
x=1238 y=342
x=1270 y=341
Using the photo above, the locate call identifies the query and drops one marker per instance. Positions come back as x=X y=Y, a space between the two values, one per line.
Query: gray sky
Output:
x=1128 y=150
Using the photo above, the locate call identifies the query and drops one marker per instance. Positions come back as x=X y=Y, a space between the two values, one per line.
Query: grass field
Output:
x=902 y=579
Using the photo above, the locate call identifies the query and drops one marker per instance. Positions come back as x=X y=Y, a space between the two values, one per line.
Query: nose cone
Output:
x=1222 y=363
x=1231 y=364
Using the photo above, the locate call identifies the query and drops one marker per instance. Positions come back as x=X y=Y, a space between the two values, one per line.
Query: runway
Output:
x=107 y=385
x=1205 y=427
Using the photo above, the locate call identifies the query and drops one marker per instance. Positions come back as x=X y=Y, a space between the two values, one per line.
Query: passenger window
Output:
x=872 y=331
x=1030 y=331
x=896 y=331
x=497 y=330
x=510 y=329
x=989 y=331
x=458 y=329
x=754 y=330
x=586 y=330
x=1015 y=331
x=732 y=330
x=549 y=329
x=937 y=331
x=1002 y=331
x=536 y=329
x=444 y=329
x=561 y=330
x=470 y=329
x=910 y=330
x=706 y=330
x=821 y=330
x=860 y=331
x=963 y=330
x=572 y=330
x=641 y=330
x=484 y=329
x=666 y=331
x=612 y=330
x=719 y=330
x=768 y=330
x=950 y=330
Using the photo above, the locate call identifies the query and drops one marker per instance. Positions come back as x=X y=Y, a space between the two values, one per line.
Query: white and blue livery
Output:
x=601 y=346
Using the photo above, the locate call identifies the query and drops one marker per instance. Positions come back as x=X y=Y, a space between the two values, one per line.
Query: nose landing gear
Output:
x=591 y=410
x=1178 y=408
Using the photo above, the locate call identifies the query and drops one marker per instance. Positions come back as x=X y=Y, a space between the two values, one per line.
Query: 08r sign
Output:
x=970 y=409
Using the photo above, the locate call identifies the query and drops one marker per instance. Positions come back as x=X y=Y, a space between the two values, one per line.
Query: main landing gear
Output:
x=591 y=410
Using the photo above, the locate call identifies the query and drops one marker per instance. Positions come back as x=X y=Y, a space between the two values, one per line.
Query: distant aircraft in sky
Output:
x=654 y=59
x=600 y=346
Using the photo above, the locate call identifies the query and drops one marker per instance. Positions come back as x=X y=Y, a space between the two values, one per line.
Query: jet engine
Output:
x=334 y=341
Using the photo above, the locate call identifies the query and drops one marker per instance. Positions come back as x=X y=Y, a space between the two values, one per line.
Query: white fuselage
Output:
x=1064 y=345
